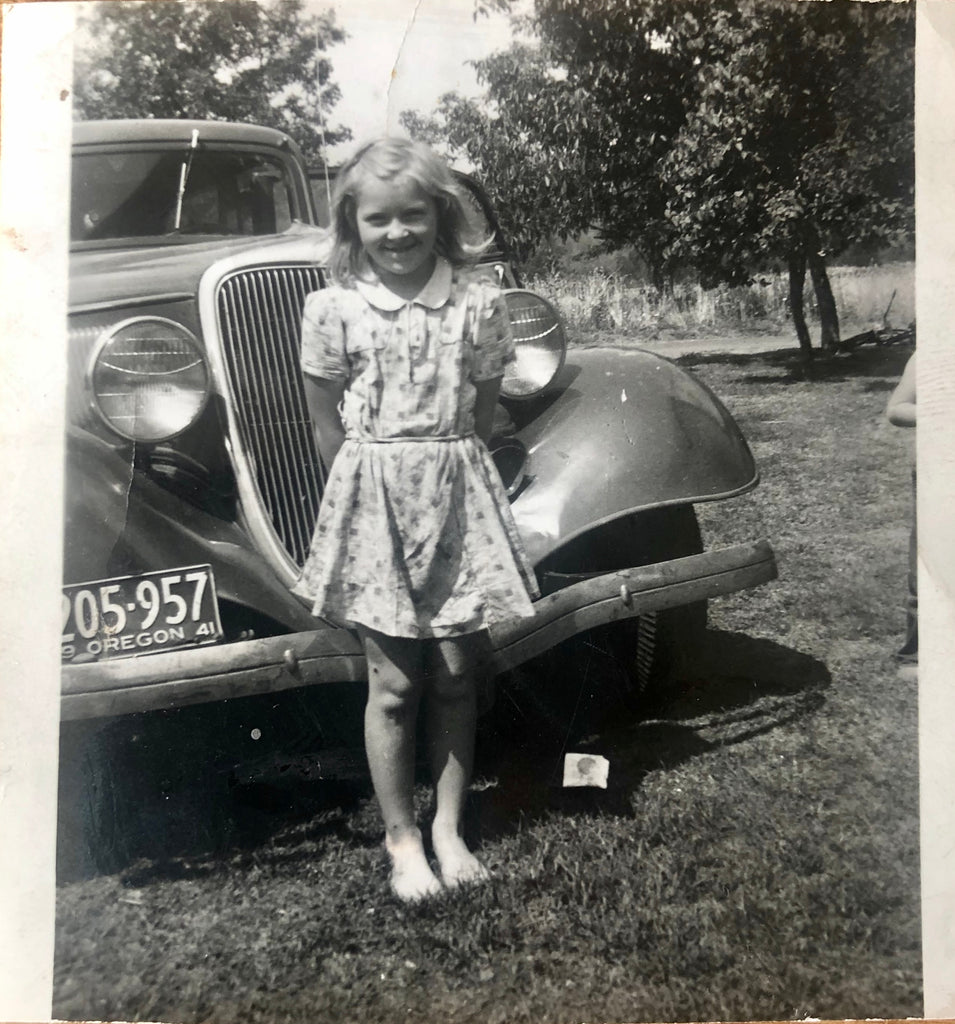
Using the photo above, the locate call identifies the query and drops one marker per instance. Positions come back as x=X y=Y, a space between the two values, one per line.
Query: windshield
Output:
x=117 y=195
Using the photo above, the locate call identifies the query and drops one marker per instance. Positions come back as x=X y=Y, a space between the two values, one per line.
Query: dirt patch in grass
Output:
x=754 y=856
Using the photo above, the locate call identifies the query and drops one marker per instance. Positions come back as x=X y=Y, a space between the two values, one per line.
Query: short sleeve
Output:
x=323 y=337
x=493 y=339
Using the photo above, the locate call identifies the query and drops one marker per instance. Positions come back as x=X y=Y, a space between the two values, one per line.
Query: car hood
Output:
x=118 y=276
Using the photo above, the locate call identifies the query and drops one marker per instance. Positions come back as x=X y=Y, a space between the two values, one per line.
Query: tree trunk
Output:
x=828 y=315
x=797 y=278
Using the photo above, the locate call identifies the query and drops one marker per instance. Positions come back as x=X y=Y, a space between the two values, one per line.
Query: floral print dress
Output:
x=415 y=536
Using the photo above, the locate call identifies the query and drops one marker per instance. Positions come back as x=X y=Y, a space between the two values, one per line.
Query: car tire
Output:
x=138 y=786
x=660 y=650
x=636 y=664
x=93 y=805
x=175 y=783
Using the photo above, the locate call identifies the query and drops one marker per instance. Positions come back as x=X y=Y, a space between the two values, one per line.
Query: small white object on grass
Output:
x=586 y=770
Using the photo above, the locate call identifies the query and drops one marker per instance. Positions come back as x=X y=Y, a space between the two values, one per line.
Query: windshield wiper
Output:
x=184 y=177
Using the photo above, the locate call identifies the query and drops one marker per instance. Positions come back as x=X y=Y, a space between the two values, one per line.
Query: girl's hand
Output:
x=323 y=398
x=484 y=404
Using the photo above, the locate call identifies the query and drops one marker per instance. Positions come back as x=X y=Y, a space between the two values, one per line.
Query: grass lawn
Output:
x=755 y=855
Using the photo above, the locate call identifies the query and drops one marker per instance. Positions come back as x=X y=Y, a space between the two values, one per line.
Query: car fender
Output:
x=621 y=431
x=118 y=522
x=94 y=516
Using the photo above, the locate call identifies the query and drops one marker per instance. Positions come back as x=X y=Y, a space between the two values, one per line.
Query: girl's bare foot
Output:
x=458 y=864
x=411 y=876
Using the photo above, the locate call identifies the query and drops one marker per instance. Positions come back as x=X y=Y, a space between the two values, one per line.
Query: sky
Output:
x=403 y=54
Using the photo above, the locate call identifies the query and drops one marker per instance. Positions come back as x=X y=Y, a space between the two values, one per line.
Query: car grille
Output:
x=260 y=322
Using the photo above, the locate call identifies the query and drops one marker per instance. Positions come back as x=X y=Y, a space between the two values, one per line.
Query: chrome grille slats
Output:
x=259 y=312
x=296 y=488
x=258 y=432
x=273 y=379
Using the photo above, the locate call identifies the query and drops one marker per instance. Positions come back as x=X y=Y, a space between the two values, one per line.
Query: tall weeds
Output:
x=601 y=300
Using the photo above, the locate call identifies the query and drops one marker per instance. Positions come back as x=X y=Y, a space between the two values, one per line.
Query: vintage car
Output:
x=192 y=477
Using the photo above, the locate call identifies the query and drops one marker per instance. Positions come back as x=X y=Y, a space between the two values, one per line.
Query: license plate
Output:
x=132 y=615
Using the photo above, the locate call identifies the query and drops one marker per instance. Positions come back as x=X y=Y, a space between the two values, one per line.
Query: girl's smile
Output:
x=397 y=226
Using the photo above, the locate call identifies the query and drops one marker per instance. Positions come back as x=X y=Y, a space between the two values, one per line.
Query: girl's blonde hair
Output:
x=459 y=237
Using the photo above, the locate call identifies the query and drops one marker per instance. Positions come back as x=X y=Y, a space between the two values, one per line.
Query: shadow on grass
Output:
x=791 y=368
x=741 y=687
x=878 y=385
x=168 y=796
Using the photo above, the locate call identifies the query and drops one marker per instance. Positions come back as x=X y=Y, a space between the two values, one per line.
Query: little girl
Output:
x=415 y=546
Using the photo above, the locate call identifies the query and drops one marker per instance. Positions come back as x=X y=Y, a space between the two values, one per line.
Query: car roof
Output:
x=174 y=130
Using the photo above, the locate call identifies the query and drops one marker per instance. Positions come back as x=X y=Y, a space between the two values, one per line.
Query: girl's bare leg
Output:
x=395 y=684
x=452 y=722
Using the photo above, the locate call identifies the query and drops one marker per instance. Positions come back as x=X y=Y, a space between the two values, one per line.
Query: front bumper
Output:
x=227 y=671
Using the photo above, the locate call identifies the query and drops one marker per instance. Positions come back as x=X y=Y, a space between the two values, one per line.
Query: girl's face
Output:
x=397 y=225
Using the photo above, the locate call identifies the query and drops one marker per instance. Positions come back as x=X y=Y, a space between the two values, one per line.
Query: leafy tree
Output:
x=803 y=161
x=238 y=60
x=719 y=134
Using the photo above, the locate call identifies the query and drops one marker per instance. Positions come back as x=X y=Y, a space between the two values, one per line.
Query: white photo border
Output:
x=37 y=52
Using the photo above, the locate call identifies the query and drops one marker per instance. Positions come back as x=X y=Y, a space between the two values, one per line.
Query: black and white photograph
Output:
x=488 y=580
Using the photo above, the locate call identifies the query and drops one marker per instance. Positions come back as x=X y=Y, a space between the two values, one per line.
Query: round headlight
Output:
x=148 y=379
x=539 y=344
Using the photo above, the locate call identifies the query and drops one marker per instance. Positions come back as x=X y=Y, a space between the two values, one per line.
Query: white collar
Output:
x=433 y=296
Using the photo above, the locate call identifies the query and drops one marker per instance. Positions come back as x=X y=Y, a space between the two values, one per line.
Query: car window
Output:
x=480 y=217
x=118 y=195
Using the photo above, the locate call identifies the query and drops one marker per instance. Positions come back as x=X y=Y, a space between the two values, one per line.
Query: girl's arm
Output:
x=323 y=398
x=901 y=408
x=485 y=403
